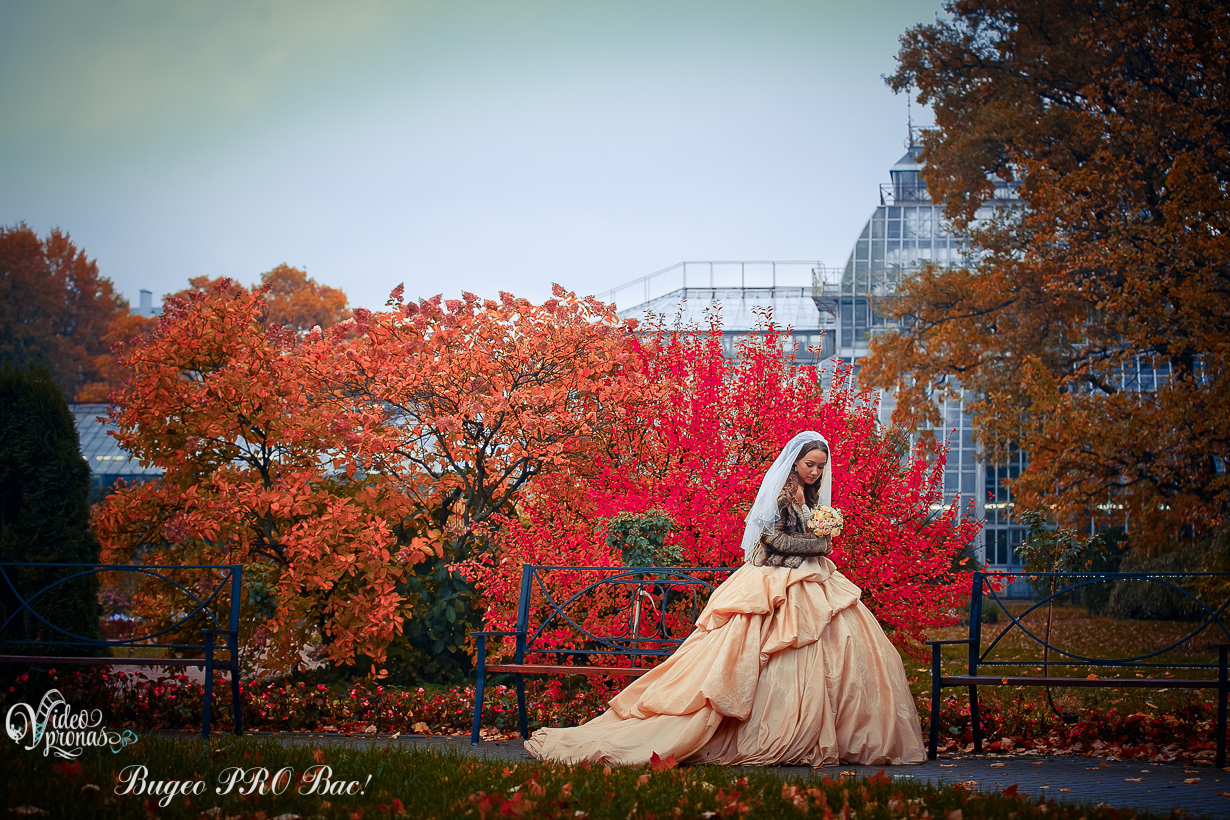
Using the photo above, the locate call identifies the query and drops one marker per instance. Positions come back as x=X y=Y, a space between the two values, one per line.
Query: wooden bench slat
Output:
x=546 y=669
x=597 y=646
x=1125 y=683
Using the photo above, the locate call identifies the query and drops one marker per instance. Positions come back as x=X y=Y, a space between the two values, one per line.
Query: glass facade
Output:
x=1002 y=533
x=905 y=233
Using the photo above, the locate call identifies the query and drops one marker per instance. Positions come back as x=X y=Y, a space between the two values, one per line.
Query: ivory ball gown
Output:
x=785 y=666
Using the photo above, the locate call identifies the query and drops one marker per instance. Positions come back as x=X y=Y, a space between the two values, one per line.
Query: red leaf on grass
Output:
x=516 y=807
x=658 y=763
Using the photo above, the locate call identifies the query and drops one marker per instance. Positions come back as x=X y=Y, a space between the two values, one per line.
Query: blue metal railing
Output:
x=1066 y=583
x=986 y=584
x=210 y=606
x=637 y=606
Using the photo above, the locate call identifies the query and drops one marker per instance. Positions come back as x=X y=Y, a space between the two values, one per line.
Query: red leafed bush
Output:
x=695 y=443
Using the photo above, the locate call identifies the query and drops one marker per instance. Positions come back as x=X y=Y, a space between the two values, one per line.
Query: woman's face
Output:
x=811 y=466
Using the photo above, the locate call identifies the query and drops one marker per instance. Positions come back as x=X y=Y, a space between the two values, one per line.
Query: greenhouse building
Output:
x=833 y=314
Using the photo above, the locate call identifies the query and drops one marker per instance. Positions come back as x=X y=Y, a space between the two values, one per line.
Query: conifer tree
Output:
x=44 y=514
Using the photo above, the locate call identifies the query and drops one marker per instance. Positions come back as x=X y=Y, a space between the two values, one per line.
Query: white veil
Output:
x=764 y=509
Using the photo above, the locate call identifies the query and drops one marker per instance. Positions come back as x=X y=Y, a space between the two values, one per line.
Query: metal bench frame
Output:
x=981 y=587
x=628 y=640
x=231 y=579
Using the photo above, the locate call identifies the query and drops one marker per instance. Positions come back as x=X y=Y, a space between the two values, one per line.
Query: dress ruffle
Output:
x=785 y=666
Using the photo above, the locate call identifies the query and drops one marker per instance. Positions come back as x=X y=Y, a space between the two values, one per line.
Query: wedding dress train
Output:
x=785 y=666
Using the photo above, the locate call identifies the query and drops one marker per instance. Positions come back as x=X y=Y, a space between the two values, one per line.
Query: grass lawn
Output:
x=398 y=782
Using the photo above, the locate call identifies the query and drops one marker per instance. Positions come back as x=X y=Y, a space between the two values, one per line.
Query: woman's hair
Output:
x=811 y=492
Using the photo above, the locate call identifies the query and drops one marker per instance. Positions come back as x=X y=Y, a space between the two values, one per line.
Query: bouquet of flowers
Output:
x=826 y=521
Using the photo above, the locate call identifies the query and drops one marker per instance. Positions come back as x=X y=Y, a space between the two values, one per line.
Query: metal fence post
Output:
x=209 y=682
x=975 y=647
x=1222 y=688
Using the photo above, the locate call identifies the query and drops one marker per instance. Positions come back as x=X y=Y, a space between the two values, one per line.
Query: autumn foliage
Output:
x=225 y=407
x=469 y=399
x=334 y=464
x=705 y=430
x=297 y=301
x=57 y=311
x=1092 y=330
x=330 y=463
x=294 y=299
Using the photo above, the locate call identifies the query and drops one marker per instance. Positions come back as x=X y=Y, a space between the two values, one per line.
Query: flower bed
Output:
x=175 y=702
x=1020 y=721
x=1157 y=726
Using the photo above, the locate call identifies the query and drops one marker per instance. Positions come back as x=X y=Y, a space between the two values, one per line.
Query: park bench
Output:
x=595 y=621
x=195 y=600
x=986 y=584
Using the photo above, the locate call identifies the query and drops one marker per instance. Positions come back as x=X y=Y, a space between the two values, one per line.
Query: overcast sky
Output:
x=449 y=145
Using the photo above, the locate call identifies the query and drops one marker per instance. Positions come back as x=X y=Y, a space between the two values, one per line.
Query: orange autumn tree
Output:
x=223 y=405
x=299 y=302
x=329 y=463
x=458 y=405
x=295 y=300
x=468 y=400
x=56 y=310
x=1092 y=329
x=109 y=372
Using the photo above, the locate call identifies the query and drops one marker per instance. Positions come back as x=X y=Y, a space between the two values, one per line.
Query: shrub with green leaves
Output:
x=641 y=539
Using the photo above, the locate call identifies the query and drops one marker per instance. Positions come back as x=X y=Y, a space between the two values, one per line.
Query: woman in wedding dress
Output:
x=785 y=666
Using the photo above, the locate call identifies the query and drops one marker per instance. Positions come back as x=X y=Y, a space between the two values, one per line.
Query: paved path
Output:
x=1122 y=784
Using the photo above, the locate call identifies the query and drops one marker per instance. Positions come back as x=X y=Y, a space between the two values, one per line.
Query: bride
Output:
x=785 y=666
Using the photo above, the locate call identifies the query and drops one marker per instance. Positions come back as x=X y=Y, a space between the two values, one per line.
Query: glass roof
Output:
x=792 y=306
x=101 y=450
